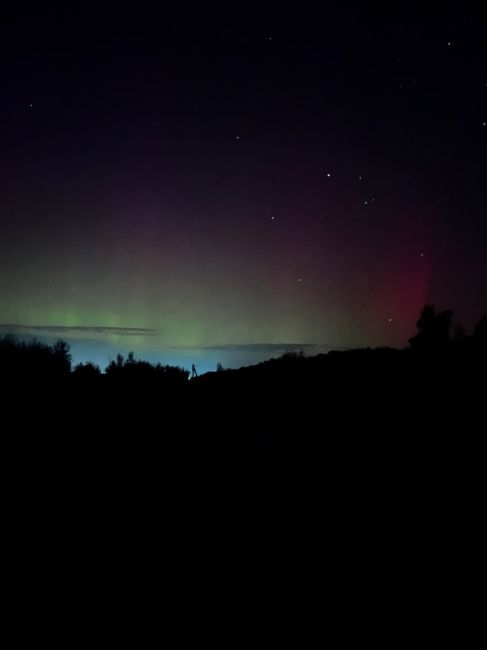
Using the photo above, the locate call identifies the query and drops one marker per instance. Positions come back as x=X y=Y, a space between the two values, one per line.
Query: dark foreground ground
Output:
x=363 y=411
x=351 y=484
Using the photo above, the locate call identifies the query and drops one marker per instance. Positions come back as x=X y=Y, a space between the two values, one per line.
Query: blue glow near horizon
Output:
x=204 y=359
x=101 y=345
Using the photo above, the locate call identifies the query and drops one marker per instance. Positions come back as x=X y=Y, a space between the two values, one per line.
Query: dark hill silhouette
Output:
x=371 y=396
x=356 y=459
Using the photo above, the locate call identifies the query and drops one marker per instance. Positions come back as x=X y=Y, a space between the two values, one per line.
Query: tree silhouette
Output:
x=459 y=334
x=433 y=329
x=142 y=373
x=86 y=371
x=480 y=333
x=33 y=360
x=62 y=356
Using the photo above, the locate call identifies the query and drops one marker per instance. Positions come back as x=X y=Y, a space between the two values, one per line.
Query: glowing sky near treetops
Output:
x=234 y=194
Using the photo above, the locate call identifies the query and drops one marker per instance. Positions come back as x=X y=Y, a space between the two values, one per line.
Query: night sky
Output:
x=203 y=185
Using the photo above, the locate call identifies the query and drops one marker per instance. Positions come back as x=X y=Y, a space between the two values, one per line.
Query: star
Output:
x=31 y=105
x=361 y=178
x=237 y=138
x=389 y=320
x=328 y=174
x=421 y=254
x=300 y=279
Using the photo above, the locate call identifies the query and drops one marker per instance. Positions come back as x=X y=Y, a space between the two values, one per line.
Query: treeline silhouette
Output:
x=294 y=401
x=34 y=360
x=37 y=361
x=390 y=440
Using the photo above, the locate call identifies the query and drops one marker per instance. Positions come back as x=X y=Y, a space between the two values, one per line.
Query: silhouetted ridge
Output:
x=295 y=400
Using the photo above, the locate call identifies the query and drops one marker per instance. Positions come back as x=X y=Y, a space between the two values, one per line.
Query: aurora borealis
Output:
x=251 y=181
